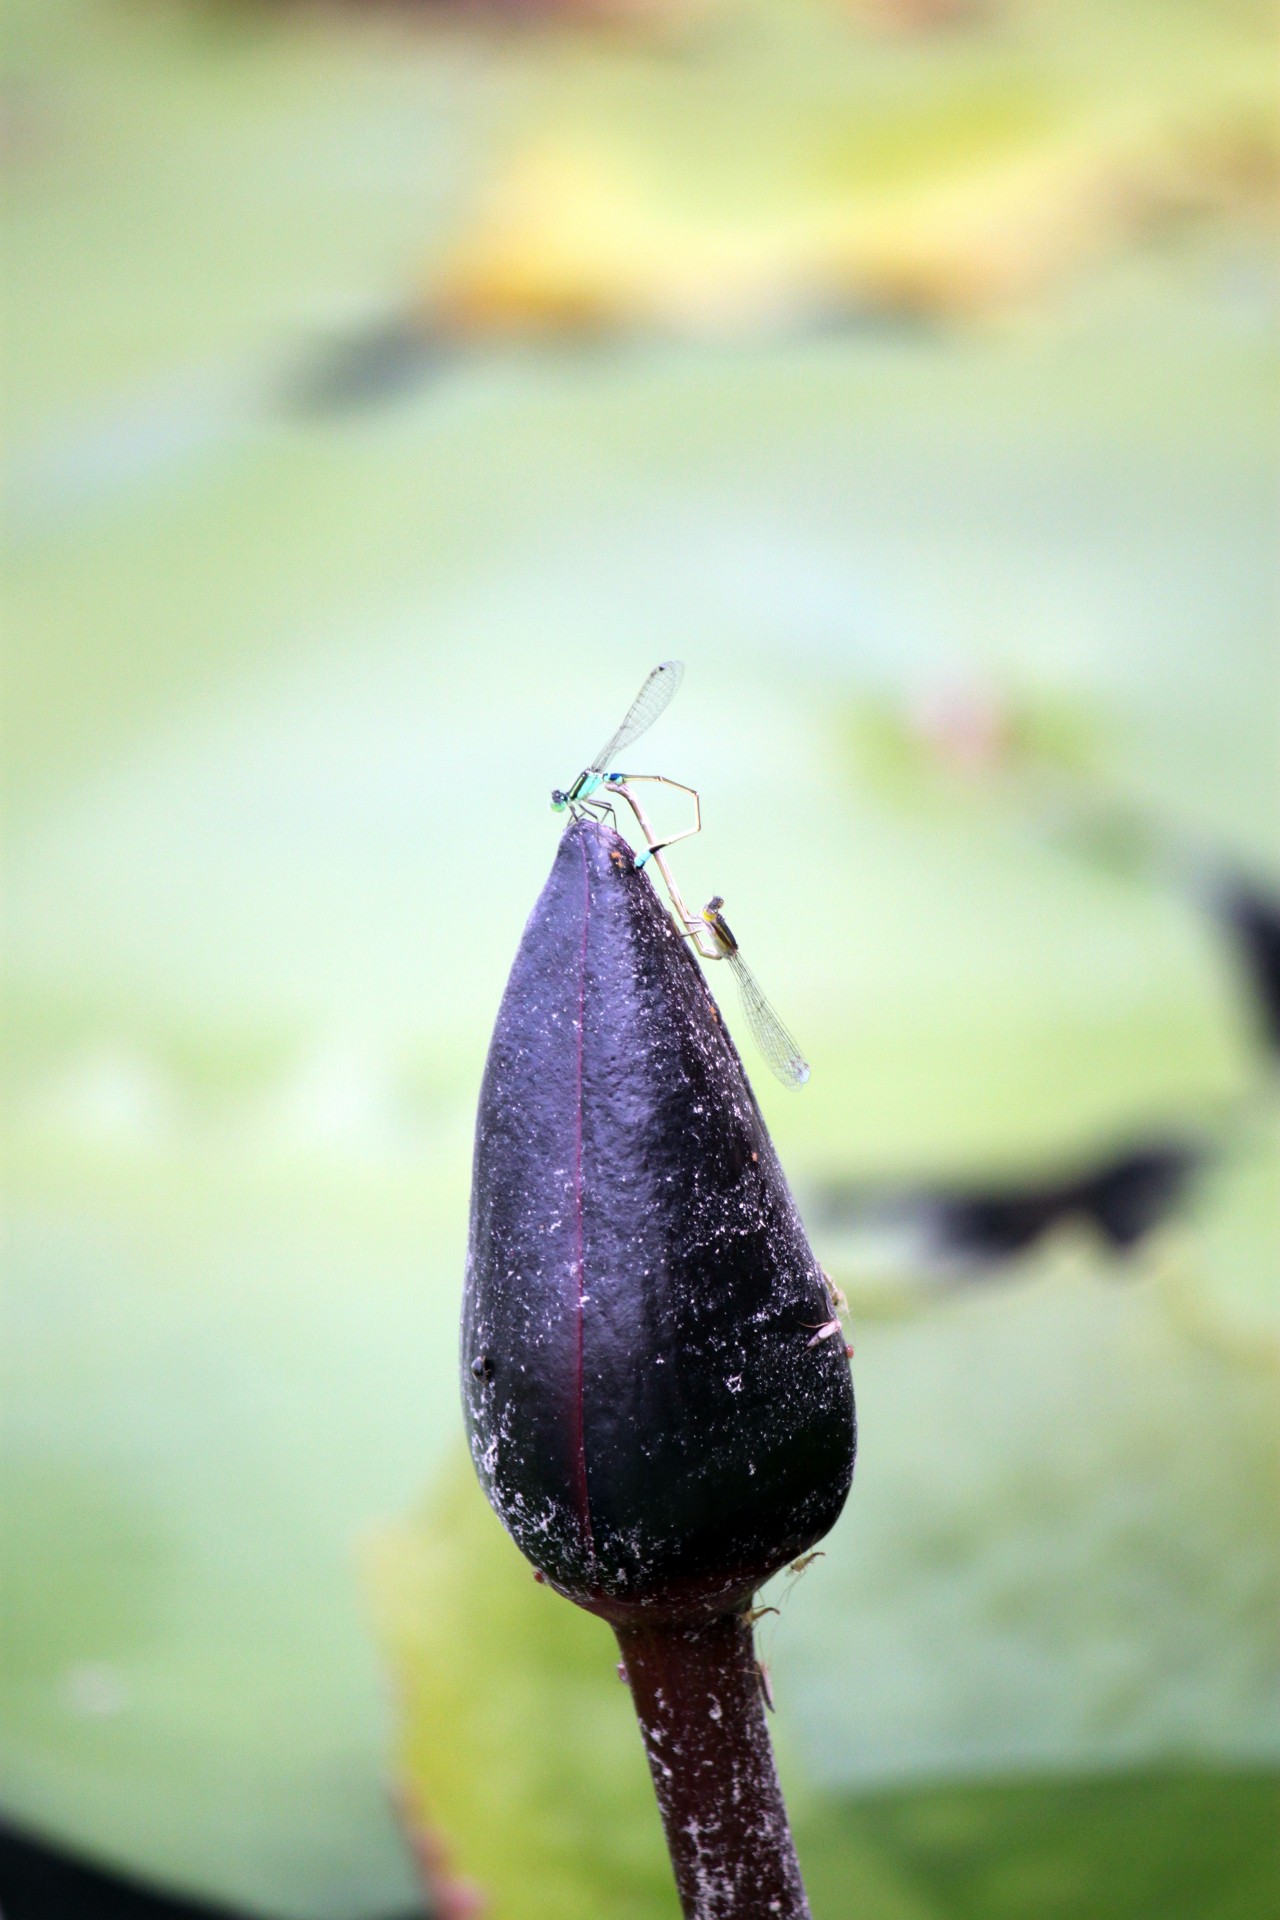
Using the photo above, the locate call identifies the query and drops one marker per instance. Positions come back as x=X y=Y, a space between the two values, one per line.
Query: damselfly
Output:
x=772 y=1038
x=653 y=698
x=594 y=790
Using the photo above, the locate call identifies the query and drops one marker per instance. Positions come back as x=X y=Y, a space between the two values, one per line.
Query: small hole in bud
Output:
x=482 y=1367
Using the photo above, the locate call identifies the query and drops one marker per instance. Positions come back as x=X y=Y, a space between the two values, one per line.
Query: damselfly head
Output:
x=559 y=800
x=714 y=905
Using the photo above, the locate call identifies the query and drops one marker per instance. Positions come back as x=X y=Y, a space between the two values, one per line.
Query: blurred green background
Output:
x=388 y=390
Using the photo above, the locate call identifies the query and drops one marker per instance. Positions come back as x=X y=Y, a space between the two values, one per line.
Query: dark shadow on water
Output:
x=40 y=1879
x=1250 y=915
x=391 y=359
x=1122 y=1198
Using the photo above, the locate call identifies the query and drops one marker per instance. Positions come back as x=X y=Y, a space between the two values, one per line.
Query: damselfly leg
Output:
x=619 y=782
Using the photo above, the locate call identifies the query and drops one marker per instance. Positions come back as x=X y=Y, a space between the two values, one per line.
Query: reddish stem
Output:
x=697 y=1693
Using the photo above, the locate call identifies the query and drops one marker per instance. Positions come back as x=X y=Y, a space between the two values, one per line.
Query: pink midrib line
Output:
x=579 y=1380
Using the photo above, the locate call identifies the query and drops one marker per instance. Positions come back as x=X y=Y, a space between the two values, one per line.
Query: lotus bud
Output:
x=655 y=1408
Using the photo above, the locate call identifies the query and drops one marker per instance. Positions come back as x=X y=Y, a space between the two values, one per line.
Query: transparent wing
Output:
x=775 y=1043
x=653 y=698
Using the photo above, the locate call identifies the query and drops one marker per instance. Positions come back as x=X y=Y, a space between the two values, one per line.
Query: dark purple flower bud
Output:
x=650 y=1410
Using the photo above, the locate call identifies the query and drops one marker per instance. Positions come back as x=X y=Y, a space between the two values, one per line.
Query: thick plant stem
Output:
x=697 y=1693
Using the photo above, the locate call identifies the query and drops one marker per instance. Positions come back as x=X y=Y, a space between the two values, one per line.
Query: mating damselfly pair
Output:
x=593 y=793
